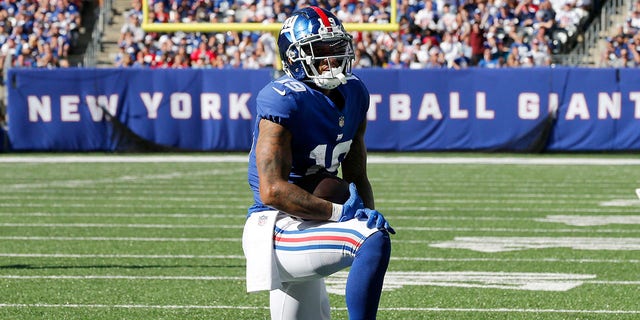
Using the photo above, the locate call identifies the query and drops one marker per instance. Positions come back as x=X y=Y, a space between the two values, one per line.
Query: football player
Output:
x=313 y=120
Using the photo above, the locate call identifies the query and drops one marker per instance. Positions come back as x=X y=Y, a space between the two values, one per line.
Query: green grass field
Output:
x=478 y=237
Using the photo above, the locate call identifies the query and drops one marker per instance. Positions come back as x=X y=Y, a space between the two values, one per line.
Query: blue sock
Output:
x=364 y=283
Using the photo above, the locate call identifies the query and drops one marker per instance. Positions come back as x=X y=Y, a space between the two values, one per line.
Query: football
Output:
x=325 y=186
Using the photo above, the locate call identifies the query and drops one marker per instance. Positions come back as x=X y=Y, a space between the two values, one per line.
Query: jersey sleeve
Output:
x=276 y=102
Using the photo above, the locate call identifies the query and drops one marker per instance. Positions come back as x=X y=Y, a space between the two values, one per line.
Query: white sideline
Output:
x=372 y=158
x=141 y=306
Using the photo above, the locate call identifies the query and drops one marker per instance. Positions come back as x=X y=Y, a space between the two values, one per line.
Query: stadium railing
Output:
x=213 y=27
x=585 y=51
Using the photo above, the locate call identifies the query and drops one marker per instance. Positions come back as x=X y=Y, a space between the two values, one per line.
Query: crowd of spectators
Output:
x=622 y=50
x=433 y=33
x=38 y=33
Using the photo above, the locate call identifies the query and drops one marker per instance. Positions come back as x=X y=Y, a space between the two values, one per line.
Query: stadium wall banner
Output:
x=529 y=109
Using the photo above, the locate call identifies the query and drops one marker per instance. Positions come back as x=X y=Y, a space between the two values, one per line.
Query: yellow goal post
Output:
x=148 y=26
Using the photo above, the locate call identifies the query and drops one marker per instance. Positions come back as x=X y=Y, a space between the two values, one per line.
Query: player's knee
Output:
x=379 y=242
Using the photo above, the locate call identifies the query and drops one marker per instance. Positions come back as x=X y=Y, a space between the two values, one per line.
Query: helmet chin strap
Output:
x=330 y=79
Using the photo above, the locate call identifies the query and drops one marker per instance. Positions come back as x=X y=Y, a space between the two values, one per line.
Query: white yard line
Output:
x=128 y=239
x=119 y=277
x=125 y=306
x=123 y=205
x=121 y=179
x=242 y=215
x=408 y=309
x=205 y=278
x=223 y=226
x=508 y=310
x=125 y=159
x=515 y=209
x=58 y=198
x=118 y=225
x=450 y=199
x=131 y=215
x=552 y=260
x=170 y=239
x=373 y=158
x=206 y=257
x=117 y=256
x=631 y=206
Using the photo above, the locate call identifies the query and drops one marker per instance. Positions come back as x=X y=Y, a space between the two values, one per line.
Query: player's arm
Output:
x=354 y=167
x=273 y=162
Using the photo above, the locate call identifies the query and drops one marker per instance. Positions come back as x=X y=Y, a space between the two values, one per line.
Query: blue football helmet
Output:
x=314 y=47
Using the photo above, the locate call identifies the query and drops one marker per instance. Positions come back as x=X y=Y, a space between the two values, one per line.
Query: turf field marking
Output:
x=405 y=309
x=242 y=213
x=113 y=198
x=235 y=215
x=118 y=256
x=621 y=203
x=372 y=158
x=337 y=282
x=117 y=225
x=128 y=239
x=205 y=257
x=127 y=159
x=116 y=277
x=393 y=280
x=502 y=244
x=552 y=260
x=520 y=230
x=127 y=215
x=578 y=220
x=193 y=191
x=239 y=207
x=207 y=198
x=446 y=199
x=240 y=226
x=125 y=306
x=510 y=209
x=122 y=179
x=157 y=239
x=509 y=310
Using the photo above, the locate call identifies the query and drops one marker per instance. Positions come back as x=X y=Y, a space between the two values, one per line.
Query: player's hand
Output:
x=352 y=205
x=375 y=219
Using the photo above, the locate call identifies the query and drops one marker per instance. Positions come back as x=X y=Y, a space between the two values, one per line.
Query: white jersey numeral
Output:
x=320 y=154
x=293 y=85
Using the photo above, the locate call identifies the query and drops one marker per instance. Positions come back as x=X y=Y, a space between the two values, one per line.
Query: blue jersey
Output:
x=321 y=132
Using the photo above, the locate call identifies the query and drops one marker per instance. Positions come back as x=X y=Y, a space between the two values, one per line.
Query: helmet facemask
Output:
x=325 y=58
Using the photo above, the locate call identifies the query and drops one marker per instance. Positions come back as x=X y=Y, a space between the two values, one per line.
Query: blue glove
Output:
x=352 y=205
x=375 y=219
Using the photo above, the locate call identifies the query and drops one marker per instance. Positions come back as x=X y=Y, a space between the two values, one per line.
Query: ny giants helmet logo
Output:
x=327 y=24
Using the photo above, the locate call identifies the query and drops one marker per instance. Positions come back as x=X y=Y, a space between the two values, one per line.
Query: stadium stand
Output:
x=432 y=34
